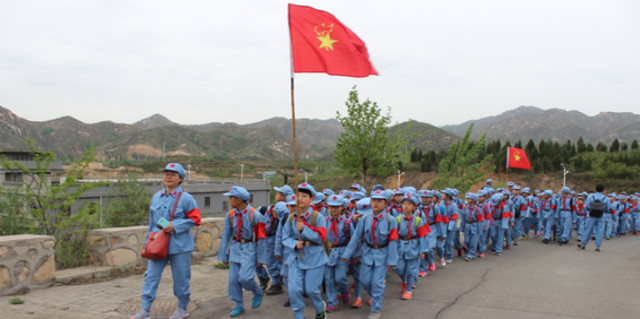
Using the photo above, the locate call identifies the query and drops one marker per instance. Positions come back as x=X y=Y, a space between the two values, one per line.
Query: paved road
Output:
x=532 y=280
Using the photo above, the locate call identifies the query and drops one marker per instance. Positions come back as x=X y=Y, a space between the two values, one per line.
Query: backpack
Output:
x=251 y=219
x=314 y=216
x=399 y=219
x=596 y=208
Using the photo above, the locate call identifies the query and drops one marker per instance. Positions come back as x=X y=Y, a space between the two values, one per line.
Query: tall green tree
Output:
x=615 y=146
x=129 y=205
x=463 y=165
x=366 y=145
x=49 y=206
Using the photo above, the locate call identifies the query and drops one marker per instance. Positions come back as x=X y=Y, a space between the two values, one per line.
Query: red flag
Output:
x=517 y=158
x=322 y=44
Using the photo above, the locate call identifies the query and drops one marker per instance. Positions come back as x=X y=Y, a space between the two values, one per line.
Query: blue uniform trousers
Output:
x=241 y=276
x=519 y=227
x=335 y=281
x=635 y=225
x=608 y=225
x=497 y=236
x=597 y=224
x=449 y=243
x=566 y=220
x=305 y=282
x=181 y=273
x=549 y=222
x=624 y=223
x=406 y=270
x=473 y=233
x=372 y=278
x=354 y=270
x=580 y=224
x=273 y=264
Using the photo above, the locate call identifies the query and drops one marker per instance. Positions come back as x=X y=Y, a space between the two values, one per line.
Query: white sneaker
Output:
x=449 y=261
x=142 y=314
x=179 y=314
x=373 y=315
x=443 y=263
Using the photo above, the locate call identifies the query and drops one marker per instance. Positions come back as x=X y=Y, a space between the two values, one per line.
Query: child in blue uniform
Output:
x=243 y=248
x=339 y=232
x=305 y=233
x=412 y=243
x=185 y=215
x=379 y=234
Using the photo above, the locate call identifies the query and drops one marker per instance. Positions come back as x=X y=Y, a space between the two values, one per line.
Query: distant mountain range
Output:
x=529 y=122
x=271 y=139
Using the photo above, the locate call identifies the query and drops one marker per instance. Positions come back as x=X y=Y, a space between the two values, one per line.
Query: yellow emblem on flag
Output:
x=324 y=35
x=516 y=155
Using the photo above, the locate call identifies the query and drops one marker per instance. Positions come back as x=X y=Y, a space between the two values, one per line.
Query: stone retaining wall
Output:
x=120 y=247
x=26 y=261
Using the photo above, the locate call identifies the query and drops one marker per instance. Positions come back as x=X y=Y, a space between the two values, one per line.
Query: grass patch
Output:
x=221 y=266
x=16 y=301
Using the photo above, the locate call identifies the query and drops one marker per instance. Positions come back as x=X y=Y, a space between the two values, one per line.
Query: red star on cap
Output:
x=172 y=165
x=304 y=184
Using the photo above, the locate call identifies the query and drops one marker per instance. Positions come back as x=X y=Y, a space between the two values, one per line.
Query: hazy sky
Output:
x=441 y=62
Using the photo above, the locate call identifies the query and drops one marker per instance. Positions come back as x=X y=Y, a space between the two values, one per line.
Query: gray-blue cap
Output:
x=285 y=190
x=238 y=192
x=176 y=167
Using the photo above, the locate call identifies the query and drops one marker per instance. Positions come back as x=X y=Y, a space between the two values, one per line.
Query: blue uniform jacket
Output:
x=343 y=238
x=231 y=249
x=412 y=248
x=186 y=216
x=313 y=255
x=386 y=233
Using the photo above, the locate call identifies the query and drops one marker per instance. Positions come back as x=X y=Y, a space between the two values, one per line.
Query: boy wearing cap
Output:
x=548 y=207
x=305 y=233
x=473 y=219
x=379 y=234
x=565 y=208
x=451 y=209
x=412 y=243
x=243 y=248
x=431 y=218
x=500 y=222
x=440 y=210
x=338 y=235
x=363 y=208
x=597 y=205
x=181 y=211
x=271 y=224
x=284 y=253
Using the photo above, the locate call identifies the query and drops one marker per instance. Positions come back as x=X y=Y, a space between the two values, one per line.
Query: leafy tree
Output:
x=615 y=146
x=462 y=167
x=601 y=147
x=589 y=147
x=634 y=145
x=624 y=147
x=130 y=206
x=49 y=207
x=581 y=146
x=13 y=220
x=365 y=145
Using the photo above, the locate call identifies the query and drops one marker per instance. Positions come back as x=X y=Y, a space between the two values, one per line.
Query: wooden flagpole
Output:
x=293 y=132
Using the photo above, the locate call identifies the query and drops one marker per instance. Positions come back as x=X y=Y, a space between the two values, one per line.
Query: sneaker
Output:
x=467 y=259
x=481 y=255
x=525 y=237
x=274 y=290
x=403 y=286
x=264 y=282
x=345 y=299
x=579 y=246
x=545 y=241
x=179 y=314
x=459 y=252
x=370 y=302
x=432 y=267
x=236 y=312
x=413 y=286
x=449 y=261
x=498 y=254
x=407 y=295
x=422 y=273
x=443 y=263
x=635 y=232
x=323 y=313
x=538 y=234
x=142 y=314
x=287 y=304
x=357 y=303
x=515 y=243
x=256 y=301
x=598 y=249
x=331 y=308
x=520 y=238
x=373 y=315
x=509 y=247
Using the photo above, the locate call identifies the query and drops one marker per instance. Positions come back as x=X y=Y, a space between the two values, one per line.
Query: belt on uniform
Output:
x=271 y=235
x=431 y=224
x=341 y=245
x=310 y=243
x=244 y=241
x=377 y=246
x=406 y=238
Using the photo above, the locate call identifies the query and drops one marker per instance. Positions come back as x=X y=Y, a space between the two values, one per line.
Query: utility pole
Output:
x=241 y=173
x=399 y=174
x=564 y=175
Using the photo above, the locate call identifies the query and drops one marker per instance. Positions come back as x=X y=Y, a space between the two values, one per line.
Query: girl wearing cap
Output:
x=185 y=215
x=473 y=219
x=412 y=243
x=339 y=232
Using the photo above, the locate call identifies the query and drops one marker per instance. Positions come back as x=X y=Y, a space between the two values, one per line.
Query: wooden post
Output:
x=295 y=157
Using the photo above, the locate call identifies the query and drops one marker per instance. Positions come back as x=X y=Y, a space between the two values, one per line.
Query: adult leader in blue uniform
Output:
x=186 y=216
